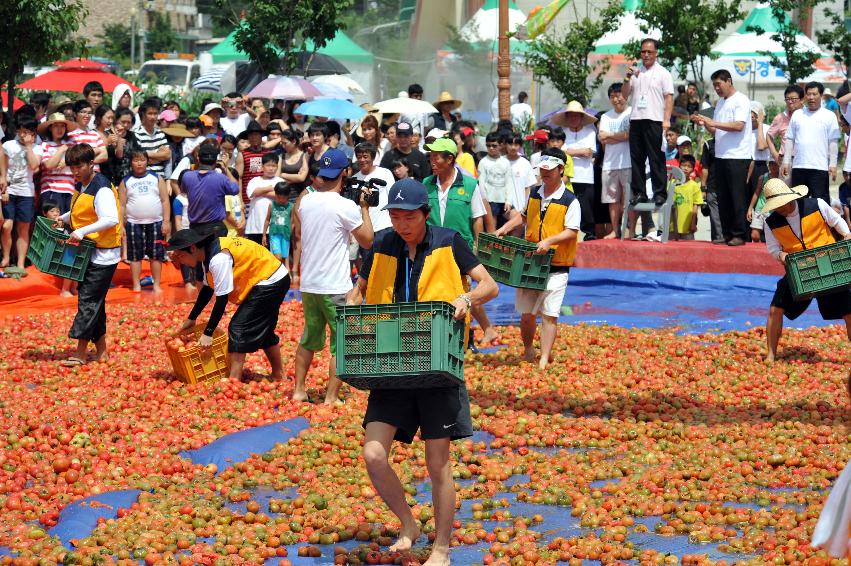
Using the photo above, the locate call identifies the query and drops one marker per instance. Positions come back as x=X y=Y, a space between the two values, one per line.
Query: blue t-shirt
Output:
x=845 y=194
x=206 y=191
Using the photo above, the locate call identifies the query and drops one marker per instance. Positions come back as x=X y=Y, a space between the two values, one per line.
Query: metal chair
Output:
x=675 y=177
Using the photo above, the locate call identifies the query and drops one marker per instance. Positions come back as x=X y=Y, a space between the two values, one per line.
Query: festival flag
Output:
x=539 y=18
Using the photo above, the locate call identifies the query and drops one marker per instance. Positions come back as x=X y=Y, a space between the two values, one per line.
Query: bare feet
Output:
x=334 y=402
x=529 y=355
x=610 y=236
x=769 y=357
x=157 y=289
x=300 y=396
x=137 y=289
x=438 y=557
x=101 y=356
x=189 y=287
x=490 y=336
x=66 y=294
x=407 y=538
x=543 y=363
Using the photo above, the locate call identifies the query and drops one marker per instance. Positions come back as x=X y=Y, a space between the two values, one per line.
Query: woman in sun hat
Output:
x=797 y=223
x=445 y=105
x=580 y=144
x=57 y=182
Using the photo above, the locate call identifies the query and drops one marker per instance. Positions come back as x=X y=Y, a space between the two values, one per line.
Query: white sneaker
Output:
x=653 y=237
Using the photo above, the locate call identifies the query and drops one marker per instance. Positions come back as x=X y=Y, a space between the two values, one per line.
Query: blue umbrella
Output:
x=332 y=108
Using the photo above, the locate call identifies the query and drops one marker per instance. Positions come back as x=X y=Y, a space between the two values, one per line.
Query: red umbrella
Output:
x=79 y=63
x=74 y=79
x=17 y=103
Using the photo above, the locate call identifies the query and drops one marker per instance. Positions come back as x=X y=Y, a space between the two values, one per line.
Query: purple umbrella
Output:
x=285 y=88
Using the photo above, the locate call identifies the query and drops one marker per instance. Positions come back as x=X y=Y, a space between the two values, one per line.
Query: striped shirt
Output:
x=59 y=180
x=91 y=137
x=252 y=162
x=152 y=142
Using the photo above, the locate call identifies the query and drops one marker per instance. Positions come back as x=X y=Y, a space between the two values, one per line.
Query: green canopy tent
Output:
x=340 y=47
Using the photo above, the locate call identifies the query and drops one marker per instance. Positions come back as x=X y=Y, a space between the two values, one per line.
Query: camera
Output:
x=355 y=187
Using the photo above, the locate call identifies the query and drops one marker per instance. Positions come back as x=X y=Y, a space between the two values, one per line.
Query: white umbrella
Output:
x=343 y=82
x=484 y=25
x=332 y=91
x=404 y=105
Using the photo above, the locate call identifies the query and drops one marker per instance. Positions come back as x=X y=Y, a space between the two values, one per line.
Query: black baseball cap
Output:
x=404 y=129
x=182 y=239
x=407 y=194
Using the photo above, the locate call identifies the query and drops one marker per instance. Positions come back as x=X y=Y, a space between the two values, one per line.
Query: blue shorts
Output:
x=19 y=209
x=144 y=240
x=279 y=245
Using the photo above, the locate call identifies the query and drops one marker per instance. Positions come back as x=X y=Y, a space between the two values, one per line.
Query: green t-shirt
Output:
x=279 y=223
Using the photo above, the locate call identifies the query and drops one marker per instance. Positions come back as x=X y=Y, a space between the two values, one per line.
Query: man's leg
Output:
x=332 y=392
x=135 y=274
x=23 y=242
x=303 y=357
x=481 y=316
x=156 y=273
x=723 y=193
x=549 y=330
x=774 y=329
x=819 y=185
x=739 y=196
x=528 y=326
x=6 y=241
x=237 y=362
x=101 y=354
x=638 y=157
x=442 y=498
x=658 y=171
x=376 y=453
x=273 y=354
x=714 y=216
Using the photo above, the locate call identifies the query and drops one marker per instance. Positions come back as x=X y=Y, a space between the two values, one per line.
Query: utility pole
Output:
x=503 y=67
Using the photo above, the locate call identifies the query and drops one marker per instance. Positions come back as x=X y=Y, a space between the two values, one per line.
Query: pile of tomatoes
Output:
x=629 y=433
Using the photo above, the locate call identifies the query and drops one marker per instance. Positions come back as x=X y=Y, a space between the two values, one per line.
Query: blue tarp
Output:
x=228 y=450
x=79 y=518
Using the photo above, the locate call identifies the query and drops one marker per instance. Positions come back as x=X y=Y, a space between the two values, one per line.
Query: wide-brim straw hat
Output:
x=576 y=107
x=777 y=193
x=177 y=131
x=446 y=97
x=56 y=118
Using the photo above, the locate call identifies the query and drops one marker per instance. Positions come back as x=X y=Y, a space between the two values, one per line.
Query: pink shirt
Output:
x=647 y=93
x=778 y=128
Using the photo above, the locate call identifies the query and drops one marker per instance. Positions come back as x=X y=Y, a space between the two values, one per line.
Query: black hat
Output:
x=253 y=126
x=182 y=239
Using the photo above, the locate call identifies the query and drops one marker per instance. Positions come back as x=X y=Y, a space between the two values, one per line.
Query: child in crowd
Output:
x=688 y=200
x=277 y=228
x=400 y=168
x=495 y=179
x=146 y=218
x=18 y=196
x=180 y=208
x=755 y=215
x=261 y=190
x=235 y=219
x=51 y=211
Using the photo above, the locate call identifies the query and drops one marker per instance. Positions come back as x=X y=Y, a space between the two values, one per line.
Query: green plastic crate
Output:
x=400 y=346
x=819 y=271
x=513 y=262
x=50 y=254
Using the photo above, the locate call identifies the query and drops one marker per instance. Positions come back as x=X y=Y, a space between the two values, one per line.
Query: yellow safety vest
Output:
x=83 y=213
x=815 y=231
x=252 y=263
x=550 y=223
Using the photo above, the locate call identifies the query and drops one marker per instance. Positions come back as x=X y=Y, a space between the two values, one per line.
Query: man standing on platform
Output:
x=652 y=90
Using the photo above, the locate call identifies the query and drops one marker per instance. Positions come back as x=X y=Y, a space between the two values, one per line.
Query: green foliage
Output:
x=115 y=40
x=838 y=39
x=37 y=32
x=272 y=31
x=689 y=29
x=223 y=14
x=564 y=60
x=798 y=63
x=161 y=37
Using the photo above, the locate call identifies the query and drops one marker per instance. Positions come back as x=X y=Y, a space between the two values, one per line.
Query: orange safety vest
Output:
x=252 y=263
x=541 y=226
x=815 y=231
x=83 y=213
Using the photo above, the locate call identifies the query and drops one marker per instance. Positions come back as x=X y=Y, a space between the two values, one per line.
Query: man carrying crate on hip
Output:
x=414 y=261
x=552 y=219
x=797 y=223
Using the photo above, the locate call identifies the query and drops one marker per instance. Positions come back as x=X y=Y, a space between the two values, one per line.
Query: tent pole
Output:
x=504 y=65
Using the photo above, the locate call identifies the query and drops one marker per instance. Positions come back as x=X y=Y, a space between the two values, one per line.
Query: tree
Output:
x=272 y=31
x=838 y=39
x=38 y=31
x=798 y=63
x=565 y=62
x=161 y=36
x=115 y=40
x=689 y=29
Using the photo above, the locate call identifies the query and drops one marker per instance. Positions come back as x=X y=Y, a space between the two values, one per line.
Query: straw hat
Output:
x=777 y=193
x=58 y=103
x=446 y=97
x=574 y=106
x=56 y=118
x=177 y=131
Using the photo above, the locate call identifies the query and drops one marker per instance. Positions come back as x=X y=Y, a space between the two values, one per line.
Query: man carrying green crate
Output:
x=94 y=216
x=796 y=224
x=552 y=219
x=418 y=262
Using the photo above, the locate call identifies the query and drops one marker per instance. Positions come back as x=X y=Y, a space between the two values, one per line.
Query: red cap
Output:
x=538 y=136
x=467 y=131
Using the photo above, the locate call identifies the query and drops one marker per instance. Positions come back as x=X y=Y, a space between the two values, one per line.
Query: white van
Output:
x=173 y=76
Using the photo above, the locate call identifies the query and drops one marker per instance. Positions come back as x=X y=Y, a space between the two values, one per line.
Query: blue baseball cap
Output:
x=332 y=163
x=407 y=194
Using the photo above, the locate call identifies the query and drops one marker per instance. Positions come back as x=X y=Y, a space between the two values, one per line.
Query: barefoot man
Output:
x=552 y=221
x=797 y=223
x=418 y=262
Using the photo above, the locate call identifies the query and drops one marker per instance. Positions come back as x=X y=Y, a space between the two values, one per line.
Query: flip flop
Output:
x=73 y=361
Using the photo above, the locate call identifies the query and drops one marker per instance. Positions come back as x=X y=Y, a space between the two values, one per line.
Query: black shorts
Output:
x=832 y=307
x=145 y=240
x=252 y=326
x=442 y=412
